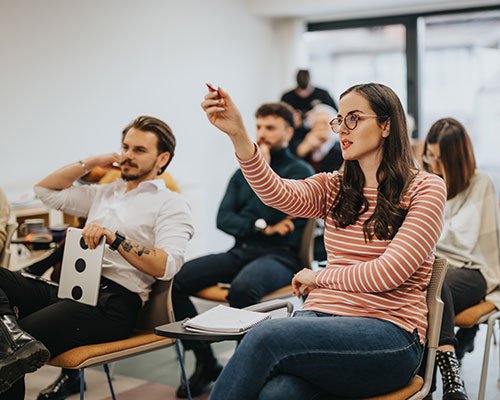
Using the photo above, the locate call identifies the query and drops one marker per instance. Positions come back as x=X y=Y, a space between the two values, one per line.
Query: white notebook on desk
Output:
x=223 y=319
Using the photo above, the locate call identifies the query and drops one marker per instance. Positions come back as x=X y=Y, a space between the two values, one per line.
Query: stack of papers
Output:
x=223 y=319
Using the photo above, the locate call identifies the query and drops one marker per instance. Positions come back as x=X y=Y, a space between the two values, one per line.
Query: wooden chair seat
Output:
x=219 y=294
x=402 y=394
x=95 y=354
x=474 y=315
x=214 y=293
x=157 y=311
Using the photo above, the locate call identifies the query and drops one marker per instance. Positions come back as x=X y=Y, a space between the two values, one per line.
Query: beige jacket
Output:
x=471 y=233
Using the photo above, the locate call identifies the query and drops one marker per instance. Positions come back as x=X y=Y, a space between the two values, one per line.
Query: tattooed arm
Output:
x=151 y=261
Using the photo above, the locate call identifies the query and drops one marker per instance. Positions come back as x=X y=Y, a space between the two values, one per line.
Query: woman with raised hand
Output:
x=470 y=241
x=363 y=325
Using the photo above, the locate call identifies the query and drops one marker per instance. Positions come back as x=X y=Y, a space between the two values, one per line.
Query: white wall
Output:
x=73 y=73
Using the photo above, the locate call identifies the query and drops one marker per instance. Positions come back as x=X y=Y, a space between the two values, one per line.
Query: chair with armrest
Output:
x=419 y=387
x=177 y=330
x=5 y=253
x=483 y=313
x=157 y=311
x=219 y=293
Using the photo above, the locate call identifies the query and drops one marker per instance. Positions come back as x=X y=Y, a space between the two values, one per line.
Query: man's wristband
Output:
x=119 y=238
x=84 y=167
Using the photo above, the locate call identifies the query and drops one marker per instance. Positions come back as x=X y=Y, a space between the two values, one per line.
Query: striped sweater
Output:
x=385 y=279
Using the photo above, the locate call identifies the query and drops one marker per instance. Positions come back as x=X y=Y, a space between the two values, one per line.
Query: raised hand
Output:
x=223 y=114
x=107 y=160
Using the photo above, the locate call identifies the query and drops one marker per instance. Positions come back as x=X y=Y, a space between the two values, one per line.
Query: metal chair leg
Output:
x=184 y=379
x=498 y=379
x=486 y=357
x=112 y=367
x=82 y=383
x=110 y=383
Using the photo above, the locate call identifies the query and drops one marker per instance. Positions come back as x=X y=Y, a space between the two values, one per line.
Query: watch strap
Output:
x=118 y=240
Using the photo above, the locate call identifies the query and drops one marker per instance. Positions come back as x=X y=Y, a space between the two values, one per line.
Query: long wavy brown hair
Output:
x=394 y=174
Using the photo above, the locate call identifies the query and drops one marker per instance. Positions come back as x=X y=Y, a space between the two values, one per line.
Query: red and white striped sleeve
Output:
x=414 y=242
x=295 y=197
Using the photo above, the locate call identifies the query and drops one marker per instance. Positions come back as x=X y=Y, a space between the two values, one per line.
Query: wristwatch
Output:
x=260 y=225
x=120 y=237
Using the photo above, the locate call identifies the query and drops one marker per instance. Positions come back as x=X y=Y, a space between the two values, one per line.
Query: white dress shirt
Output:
x=150 y=215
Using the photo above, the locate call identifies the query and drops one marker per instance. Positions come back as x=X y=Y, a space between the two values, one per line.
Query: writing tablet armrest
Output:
x=272 y=305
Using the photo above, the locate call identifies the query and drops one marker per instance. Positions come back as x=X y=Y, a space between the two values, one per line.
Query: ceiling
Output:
x=314 y=10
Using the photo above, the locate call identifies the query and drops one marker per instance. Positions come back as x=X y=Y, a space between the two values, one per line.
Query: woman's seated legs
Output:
x=343 y=356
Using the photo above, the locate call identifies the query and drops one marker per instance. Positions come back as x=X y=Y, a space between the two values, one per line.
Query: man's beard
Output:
x=131 y=177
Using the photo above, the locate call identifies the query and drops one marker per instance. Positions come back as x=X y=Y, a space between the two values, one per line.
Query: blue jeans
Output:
x=319 y=356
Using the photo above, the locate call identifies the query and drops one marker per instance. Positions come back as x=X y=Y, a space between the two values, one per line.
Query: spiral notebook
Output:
x=223 y=319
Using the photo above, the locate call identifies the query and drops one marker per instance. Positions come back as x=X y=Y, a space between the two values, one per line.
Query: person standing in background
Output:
x=305 y=96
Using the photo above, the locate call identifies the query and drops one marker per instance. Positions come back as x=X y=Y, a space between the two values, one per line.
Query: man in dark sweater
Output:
x=265 y=255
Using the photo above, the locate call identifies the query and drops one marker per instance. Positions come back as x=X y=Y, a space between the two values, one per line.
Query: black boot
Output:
x=19 y=352
x=66 y=384
x=453 y=384
x=207 y=371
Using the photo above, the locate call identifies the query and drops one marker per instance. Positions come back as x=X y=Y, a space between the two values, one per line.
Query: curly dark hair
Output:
x=395 y=172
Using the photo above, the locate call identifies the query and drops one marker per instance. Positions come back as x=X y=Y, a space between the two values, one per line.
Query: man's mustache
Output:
x=128 y=163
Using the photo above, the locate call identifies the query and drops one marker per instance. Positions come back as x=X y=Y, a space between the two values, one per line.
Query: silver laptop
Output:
x=81 y=269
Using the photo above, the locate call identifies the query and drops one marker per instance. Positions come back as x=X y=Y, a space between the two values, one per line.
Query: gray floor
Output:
x=161 y=367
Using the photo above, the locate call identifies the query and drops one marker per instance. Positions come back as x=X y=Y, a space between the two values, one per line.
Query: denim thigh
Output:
x=260 y=277
x=343 y=356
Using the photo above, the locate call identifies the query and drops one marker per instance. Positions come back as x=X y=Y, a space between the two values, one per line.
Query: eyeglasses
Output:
x=351 y=121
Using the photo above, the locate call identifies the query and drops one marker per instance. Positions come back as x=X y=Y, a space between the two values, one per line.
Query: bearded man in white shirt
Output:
x=147 y=228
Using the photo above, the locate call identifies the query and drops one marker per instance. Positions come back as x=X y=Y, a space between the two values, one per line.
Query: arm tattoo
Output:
x=138 y=249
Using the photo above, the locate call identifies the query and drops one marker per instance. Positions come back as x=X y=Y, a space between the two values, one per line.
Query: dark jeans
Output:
x=64 y=324
x=319 y=356
x=462 y=288
x=252 y=272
